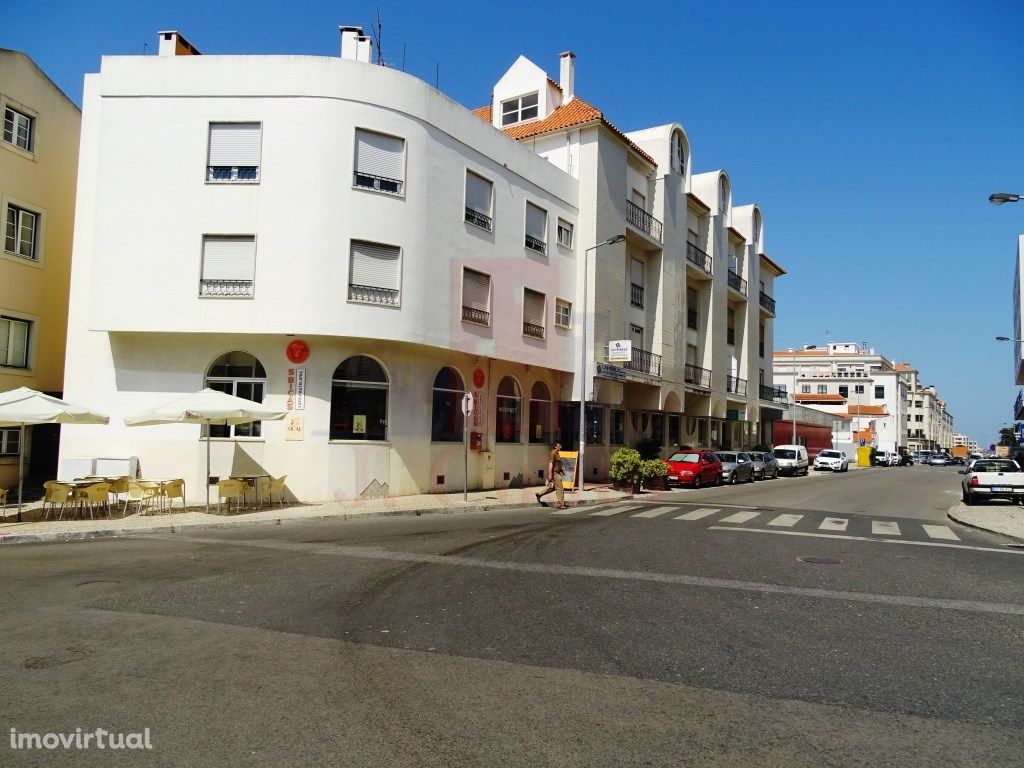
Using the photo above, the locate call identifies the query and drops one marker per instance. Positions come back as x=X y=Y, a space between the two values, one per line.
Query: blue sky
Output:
x=870 y=134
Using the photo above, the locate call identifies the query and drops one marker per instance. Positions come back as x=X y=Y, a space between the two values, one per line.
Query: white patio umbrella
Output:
x=207 y=407
x=23 y=407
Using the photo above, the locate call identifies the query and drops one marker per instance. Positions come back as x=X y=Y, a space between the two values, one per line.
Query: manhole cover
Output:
x=819 y=560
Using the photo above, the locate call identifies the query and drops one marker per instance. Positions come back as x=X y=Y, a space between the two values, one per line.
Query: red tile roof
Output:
x=808 y=397
x=576 y=112
x=867 y=410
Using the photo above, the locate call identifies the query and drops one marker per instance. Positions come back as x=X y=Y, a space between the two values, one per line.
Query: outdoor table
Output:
x=160 y=483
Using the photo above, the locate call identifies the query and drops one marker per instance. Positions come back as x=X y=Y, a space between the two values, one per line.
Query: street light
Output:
x=998 y=198
x=793 y=352
x=583 y=351
x=1008 y=338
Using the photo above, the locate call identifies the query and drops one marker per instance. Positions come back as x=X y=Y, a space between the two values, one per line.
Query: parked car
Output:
x=694 y=468
x=906 y=460
x=959 y=460
x=940 y=459
x=835 y=461
x=736 y=467
x=765 y=465
x=792 y=459
x=992 y=479
x=882 y=459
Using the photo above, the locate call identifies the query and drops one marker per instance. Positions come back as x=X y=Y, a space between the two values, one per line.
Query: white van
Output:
x=792 y=459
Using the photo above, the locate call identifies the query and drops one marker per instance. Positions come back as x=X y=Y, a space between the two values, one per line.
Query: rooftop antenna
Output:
x=380 y=50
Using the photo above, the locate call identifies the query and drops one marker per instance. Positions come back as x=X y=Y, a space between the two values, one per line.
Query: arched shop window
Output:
x=540 y=413
x=359 y=400
x=241 y=375
x=446 y=422
x=507 y=417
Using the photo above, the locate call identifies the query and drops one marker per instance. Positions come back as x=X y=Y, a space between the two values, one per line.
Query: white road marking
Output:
x=885 y=528
x=739 y=517
x=834 y=524
x=612 y=511
x=697 y=514
x=786 y=521
x=654 y=512
x=940 y=532
x=848 y=537
x=677 y=579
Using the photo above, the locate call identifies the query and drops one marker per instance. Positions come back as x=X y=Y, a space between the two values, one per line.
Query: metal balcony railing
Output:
x=776 y=394
x=737 y=282
x=226 y=288
x=373 y=294
x=735 y=385
x=697 y=376
x=535 y=244
x=767 y=302
x=476 y=316
x=695 y=255
x=379 y=183
x=474 y=216
x=642 y=220
x=232 y=173
x=636 y=295
x=645 y=362
x=530 y=329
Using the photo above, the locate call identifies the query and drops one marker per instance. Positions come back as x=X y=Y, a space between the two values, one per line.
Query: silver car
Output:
x=736 y=467
x=765 y=465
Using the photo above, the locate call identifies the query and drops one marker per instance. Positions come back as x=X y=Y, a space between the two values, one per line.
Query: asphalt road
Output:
x=689 y=628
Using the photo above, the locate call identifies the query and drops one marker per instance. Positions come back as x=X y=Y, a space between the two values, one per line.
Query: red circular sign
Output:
x=297 y=351
x=478 y=378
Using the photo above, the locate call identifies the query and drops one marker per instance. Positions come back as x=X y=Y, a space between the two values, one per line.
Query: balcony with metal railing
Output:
x=696 y=376
x=737 y=283
x=473 y=216
x=642 y=220
x=735 y=385
x=373 y=294
x=767 y=302
x=230 y=288
x=636 y=295
x=644 y=362
x=533 y=330
x=696 y=256
x=773 y=394
x=536 y=244
x=479 y=316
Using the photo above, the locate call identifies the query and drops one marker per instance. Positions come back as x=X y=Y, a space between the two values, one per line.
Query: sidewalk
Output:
x=195 y=517
x=1006 y=519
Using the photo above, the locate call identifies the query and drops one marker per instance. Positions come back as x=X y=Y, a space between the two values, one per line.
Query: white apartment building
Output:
x=929 y=422
x=402 y=253
x=966 y=442
x=851 y=380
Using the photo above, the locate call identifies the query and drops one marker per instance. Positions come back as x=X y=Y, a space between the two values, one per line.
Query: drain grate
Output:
x=819 y=560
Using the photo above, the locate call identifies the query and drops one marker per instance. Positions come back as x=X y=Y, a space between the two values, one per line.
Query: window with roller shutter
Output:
x=375 y=274
x=234 y=152
x=479 y=196
x=476 y=297
x=229 y=266
x=380 y=162
x=533 y=314
x=536 y=228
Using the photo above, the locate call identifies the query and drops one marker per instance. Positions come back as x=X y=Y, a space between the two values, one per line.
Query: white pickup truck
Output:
x=993 y=479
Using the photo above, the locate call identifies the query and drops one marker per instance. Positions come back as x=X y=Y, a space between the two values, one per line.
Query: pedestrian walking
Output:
x=555 y=477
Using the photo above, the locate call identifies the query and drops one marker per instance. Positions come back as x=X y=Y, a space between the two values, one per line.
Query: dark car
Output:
x=694 y=468
x=906 y=460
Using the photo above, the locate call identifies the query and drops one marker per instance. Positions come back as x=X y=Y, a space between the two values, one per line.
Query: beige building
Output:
x=38 y=169
x=929 y=422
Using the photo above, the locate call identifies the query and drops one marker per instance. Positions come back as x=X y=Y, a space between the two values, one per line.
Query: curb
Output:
x=950 y=514
x=113 y=533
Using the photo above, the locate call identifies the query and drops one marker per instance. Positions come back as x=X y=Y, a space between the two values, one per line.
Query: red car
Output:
x=693 y=467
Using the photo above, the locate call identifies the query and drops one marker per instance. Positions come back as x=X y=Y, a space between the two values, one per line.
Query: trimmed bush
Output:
x=626 y=467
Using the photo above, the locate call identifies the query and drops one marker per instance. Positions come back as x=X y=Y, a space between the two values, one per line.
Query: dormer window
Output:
x=519 y=110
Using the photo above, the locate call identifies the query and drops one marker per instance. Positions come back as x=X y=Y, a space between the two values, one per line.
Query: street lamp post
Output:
x=583 y=351
x=998 y=198
x=793 y=352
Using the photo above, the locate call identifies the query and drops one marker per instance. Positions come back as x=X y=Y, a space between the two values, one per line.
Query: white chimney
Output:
x=174 y=44
x=567 y=76
x=355 y=46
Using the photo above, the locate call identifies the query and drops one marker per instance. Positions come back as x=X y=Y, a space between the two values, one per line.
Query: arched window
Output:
x=723 y=201
x=239 y=374
x=540 y=413
x=678 y=154
x=359 y=400
x=506 y=420
x=446 y=423
x=757 y=229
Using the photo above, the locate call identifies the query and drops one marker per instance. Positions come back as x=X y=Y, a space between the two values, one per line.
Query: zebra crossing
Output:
x=769 y=519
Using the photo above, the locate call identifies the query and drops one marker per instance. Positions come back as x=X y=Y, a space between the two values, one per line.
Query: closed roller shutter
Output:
x=375 y=265
x=536 y=222
x=476 y=290
x=229 y=258
x=235 y=145
x=380 y=155
x=533 y=307
x=478 y=194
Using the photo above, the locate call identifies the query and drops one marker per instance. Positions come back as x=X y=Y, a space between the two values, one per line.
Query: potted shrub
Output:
x=654 y=472
x=626 y=469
